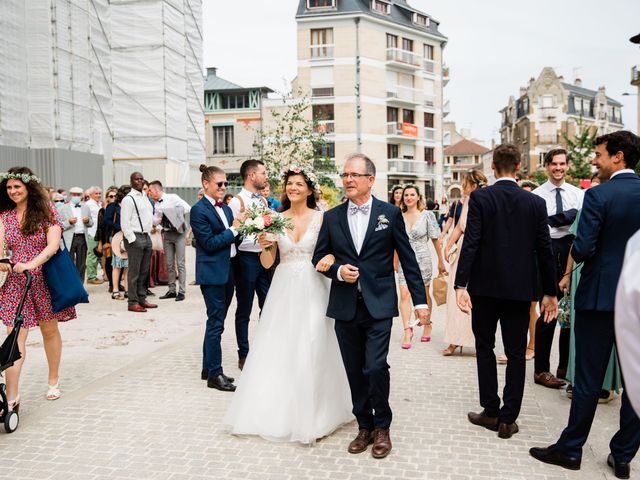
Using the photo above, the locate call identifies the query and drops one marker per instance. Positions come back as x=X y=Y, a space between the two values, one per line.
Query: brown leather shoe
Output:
x=241 y=361
x=146 y=304
x=381 y=443
x=548 y=380
x=506 y=430
x=483 y=420
x=361 y=442
x=137 y=308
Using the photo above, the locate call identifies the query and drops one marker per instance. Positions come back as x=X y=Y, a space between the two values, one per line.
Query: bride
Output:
x=293 y=387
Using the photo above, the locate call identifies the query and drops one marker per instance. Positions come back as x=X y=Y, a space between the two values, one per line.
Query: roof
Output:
x=465 y=147
x=585 y=92
x=213 y=82
x=401 y=14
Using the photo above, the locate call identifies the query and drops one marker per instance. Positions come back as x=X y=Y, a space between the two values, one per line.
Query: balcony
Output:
x=429 y=100
x=325 y=126
x=321 y=52
x=429 y=134
x=445 y=75
x=403 y=59
x=397 y=94
x=635 y=75
x=446 y=109
x=406 y=167
x=428 y=66
x=548 y=139
x=402 y=130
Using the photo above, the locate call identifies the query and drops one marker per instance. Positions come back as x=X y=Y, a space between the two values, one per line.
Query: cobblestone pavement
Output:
x=133 y=406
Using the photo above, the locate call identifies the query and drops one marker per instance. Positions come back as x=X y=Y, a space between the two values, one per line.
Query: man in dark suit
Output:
x=609 y=218
x=506 y=244
x=362 y=235
x=213 y=227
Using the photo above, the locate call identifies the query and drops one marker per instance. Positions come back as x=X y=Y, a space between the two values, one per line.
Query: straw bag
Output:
x=440 y=288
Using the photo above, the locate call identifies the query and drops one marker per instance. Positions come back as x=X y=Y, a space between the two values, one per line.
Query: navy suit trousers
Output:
x=217 y=299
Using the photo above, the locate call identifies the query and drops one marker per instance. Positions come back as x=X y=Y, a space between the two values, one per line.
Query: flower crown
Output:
x=308 y=176
x=23 y=177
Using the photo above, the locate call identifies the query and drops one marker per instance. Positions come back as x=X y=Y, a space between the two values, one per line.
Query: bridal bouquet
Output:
x=259 y=219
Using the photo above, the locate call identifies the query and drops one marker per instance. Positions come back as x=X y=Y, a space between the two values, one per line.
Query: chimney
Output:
x=211 y=71
x=577 y=82
x=561 y=78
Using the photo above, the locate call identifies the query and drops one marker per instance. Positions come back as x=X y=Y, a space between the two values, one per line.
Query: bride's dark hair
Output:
x=311 y=199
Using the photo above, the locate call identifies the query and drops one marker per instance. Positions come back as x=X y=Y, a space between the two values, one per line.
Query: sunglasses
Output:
x=111 y=196
x=220 y=184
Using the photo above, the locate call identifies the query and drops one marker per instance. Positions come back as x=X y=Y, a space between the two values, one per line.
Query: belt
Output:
x=249 y=253
x=78 y=234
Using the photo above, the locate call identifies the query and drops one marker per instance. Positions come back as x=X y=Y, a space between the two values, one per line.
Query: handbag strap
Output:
x=137 y=212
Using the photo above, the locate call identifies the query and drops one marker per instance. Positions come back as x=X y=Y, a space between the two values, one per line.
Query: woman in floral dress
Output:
x=30 y=231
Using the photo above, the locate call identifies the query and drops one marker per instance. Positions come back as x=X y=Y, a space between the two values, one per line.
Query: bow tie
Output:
x=353 y=209
x=255 y=195
x=219 y=203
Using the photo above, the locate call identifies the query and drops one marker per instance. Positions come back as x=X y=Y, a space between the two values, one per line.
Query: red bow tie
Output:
x=219 y=204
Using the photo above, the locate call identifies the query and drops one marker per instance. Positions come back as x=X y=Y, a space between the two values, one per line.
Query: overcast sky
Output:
x=491 y=51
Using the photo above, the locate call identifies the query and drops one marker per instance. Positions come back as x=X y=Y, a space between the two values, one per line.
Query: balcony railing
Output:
x=445 y=75
x=410 y=167
x=402 y=129
x=322 y=51
x=428 y=65
x=446 y=108
x=429 y=134
x=404 y=57
x=430 y=100
x=325 y=126
x=404 y=94
x=635 y=75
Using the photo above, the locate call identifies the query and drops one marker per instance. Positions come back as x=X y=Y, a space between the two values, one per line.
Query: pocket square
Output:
x=381 y=227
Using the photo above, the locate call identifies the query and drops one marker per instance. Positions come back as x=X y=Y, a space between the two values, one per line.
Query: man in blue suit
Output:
x=214 y=227
x=609 y=218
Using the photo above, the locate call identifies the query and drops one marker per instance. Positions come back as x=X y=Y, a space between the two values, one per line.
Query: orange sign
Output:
x=409 y=129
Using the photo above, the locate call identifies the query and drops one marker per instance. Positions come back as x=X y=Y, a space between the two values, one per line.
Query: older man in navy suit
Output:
x=214 y=227
x=609 y=218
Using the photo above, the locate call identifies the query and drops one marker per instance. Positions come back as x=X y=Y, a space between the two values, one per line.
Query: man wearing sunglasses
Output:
x=169 y=215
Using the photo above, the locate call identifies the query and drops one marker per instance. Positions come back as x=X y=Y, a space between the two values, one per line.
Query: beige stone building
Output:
x=373 y=70
x=233 y=121
x=458 y=158
x=547 y=108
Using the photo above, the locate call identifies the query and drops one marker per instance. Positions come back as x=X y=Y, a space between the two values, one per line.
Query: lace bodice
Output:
x=302 y=251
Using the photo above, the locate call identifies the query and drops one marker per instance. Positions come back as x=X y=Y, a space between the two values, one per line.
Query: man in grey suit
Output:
x=81 y=220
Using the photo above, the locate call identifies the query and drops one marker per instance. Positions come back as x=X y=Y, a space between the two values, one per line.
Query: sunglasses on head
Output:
x=220 y=184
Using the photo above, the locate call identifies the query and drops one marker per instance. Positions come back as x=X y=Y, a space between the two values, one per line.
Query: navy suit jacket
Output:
x=506 y=245
x=608 y=219
x=375 y=262
x=213 y=243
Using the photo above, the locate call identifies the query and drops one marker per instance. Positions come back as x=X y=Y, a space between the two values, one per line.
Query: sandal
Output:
x=451 y=349
x=117 y=296
x=14 y=405
x=407 y=346
x=53 y=392
x=530 y=353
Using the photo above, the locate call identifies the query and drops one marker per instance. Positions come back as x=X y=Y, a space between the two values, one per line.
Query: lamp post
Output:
x=635 y=80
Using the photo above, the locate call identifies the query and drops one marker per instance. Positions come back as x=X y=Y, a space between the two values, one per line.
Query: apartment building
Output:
x=549 y=107
x=458 y=158
x=233 y=121
x=373 y=70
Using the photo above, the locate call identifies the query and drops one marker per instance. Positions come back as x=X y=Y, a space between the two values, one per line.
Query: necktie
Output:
x=559 y=208
x=255 y=195
x=219 y=203
x=353 y=209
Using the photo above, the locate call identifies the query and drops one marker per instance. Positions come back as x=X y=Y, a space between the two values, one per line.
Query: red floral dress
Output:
x=37 y=307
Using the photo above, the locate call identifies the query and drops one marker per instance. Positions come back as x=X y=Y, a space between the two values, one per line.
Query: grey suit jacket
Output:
x=68 y=229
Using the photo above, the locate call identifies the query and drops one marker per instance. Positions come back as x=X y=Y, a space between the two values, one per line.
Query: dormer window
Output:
x=381 y=6
x=421 y=19
x=321 y=4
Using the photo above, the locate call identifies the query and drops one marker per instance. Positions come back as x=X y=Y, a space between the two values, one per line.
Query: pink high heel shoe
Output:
x=407 y=346
x=425 y=339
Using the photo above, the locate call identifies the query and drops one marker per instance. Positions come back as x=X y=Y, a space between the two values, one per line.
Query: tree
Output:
x=294 y=139
x=580 y=149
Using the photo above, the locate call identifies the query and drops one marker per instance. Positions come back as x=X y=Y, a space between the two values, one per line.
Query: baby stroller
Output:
x=10 y=353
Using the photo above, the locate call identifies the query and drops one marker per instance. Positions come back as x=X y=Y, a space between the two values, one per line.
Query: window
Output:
x=233 y=101
x=407 y=45
x=392 y=114
x=222 y=140
x=429 y=155
x=547 y=101
x=322 y=92
x=323 y=112
x=321 y=3
x=392 y=150
x=407 y=116
x=326 y=150
x=428 y=52
x=392 y=41
x=420 y=19
x=322 y=43
x=429 y=119
x=380 y=6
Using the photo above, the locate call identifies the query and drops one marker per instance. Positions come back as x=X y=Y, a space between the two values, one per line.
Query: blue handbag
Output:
x=63 y=280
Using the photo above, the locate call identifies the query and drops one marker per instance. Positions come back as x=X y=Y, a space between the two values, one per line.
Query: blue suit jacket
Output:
x=609 y=218
x=213 y=243
x=375 y=262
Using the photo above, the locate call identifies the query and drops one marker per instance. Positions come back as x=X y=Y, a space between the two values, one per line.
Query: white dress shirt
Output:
x=624 y=170
x=627 y=318
x=168 y=201
x=572 y=197
x=129 y=217
x=225 y=222
x=94 y=208
x=249 y=244
x=79 y=225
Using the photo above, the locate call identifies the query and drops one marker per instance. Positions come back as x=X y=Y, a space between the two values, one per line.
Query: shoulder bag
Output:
x=63 y=280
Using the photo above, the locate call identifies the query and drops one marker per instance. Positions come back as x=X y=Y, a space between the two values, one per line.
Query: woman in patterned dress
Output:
x=421 y=226
x=31 y=230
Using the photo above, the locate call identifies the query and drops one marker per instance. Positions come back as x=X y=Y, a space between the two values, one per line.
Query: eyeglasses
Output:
x=220 y=184
x=354 y=175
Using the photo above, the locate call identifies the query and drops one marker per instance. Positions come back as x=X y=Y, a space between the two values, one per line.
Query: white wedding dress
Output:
x=293 y=387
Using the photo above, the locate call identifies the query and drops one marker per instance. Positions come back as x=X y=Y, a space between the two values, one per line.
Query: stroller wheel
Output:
x=11 y=421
